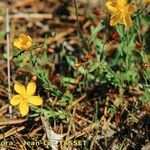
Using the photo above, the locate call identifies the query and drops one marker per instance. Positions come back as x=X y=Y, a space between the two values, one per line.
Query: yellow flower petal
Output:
x=131 y=8
x=122 y=2
x=120 y=12
x=28 y=44
x=25 y=97
x=24 y=108
x=15 y=100
x=146 y=1
x=23 y=42
x=17 y=44
x=115 y=19
x=111 y=6
x=127 y=21
x=35 y=100
x=29 y=38
x=31 y=87
x=22 y=37
x=20 y=89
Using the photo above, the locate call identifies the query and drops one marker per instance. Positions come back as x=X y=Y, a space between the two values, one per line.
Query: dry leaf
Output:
x=53 y=137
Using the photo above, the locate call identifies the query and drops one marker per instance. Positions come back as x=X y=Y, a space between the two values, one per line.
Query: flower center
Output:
x=25 y=97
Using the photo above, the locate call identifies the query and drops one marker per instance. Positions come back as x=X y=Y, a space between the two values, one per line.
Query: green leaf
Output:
x=146 y=17
x=94 y=67
x=82 y=70
x=120 y=30
x=68 y=79
x=42 y=76
x=95 y=31
x=145 y=98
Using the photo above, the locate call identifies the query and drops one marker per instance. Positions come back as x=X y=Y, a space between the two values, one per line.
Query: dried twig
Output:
x=11 y=132
x=77 y=101
x=7 y=121
x=8 y=58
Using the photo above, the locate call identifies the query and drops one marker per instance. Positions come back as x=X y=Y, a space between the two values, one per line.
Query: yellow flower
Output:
x=25 y=97
x=146 y=1
x=120 y=12
x=23 y=42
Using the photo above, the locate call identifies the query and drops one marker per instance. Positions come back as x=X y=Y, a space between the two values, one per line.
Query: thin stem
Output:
x=79 y=27
x=8 y=58
x=32 y=59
